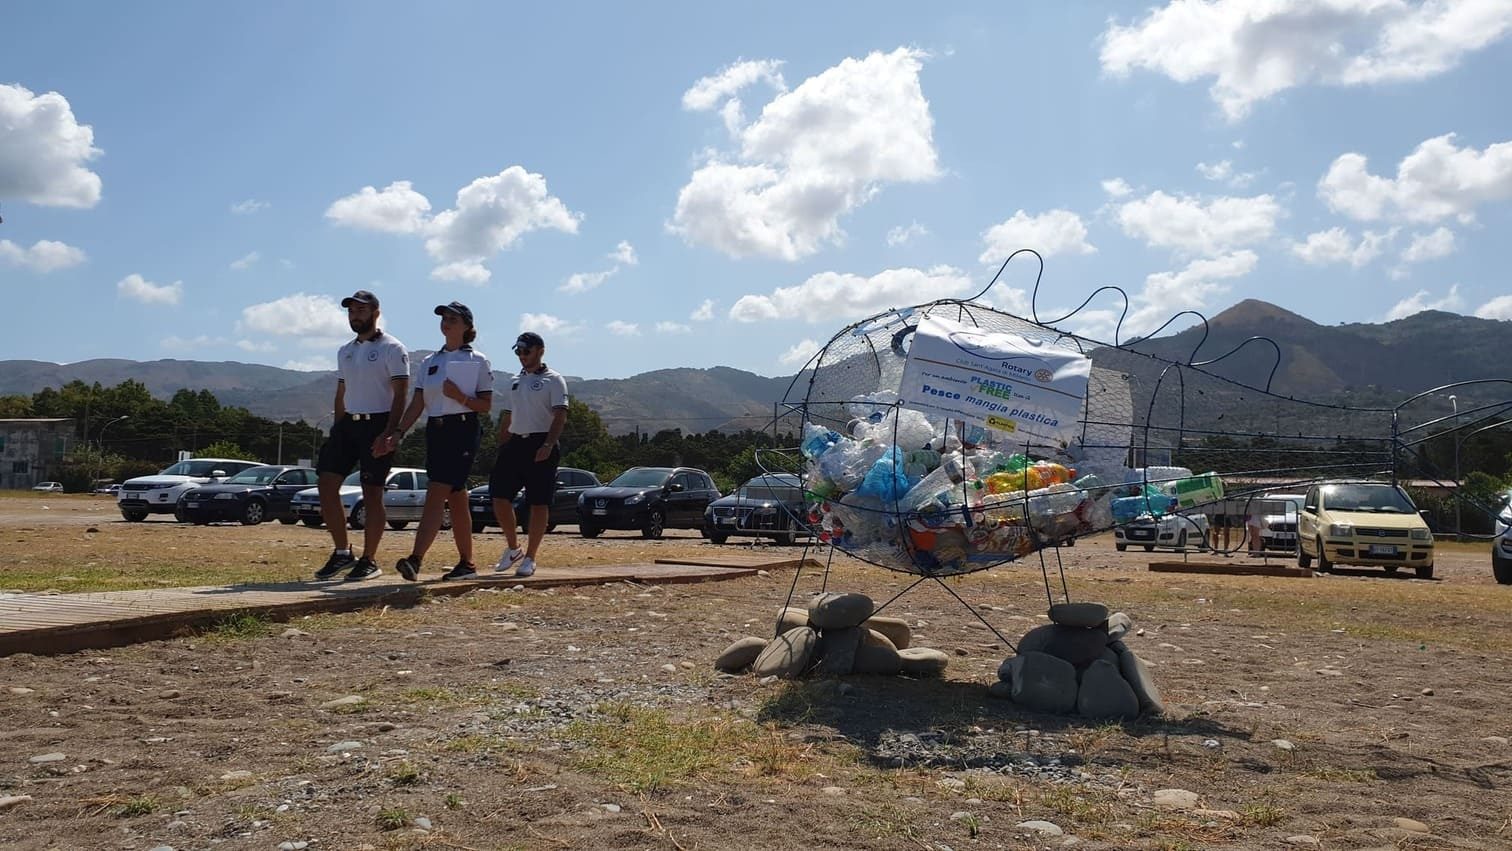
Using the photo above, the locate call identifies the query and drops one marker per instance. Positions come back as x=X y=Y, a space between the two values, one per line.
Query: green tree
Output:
x=223 y=449
x=15 y=407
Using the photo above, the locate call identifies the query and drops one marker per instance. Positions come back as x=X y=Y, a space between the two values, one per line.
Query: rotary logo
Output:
x=372 y=356
x=1043 y=376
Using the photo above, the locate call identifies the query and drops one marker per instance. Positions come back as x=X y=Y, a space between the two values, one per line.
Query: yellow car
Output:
x=1373 y=524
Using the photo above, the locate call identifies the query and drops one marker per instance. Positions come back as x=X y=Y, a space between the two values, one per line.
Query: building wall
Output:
x=31 y=451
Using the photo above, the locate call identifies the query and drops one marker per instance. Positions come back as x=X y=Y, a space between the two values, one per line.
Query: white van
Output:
x=160 y=494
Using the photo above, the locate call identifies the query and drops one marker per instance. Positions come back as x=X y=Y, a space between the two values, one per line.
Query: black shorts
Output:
x=351 y=445
x=451 y=444
x=516 y=467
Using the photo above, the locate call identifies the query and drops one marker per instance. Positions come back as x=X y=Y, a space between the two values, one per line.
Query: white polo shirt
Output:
x=532 y=398
x=367 y=369
x=439 y=366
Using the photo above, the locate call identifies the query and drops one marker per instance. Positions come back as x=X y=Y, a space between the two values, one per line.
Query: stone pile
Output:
x=1079 y=664
x=836 y=635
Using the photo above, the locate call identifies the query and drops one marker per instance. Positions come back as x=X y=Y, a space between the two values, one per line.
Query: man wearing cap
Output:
x=371 y=389
x=534 y=412
x=453 y=386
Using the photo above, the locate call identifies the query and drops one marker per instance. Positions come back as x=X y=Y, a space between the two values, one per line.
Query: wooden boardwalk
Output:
x=62 y=623
x=1230 y=569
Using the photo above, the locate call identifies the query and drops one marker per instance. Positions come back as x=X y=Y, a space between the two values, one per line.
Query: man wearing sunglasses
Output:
x=534 y=412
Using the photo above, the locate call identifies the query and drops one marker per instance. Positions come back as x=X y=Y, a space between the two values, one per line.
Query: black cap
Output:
x=361 y=297
x=458 y=308
x=530 y=340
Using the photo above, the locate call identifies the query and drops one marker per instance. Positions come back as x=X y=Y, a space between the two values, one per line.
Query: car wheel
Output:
x=1324 y=565
x=446 y=518
x=654 y=525
x=359 y=517
x=200 y=521
x=1149 y=548
x=1501 y=568
x=1120 y=547
x=254 y=513
x=396 y=525
x=787 y=538
x=288 y=521
x=1304 y=560
x=589 y=531
x=550 y=527
x=312 y=522
x=178 y=513
x=133 y=515
x=1181 y=540
x=718 y=539
x=1424 y=571
x=1391 y=569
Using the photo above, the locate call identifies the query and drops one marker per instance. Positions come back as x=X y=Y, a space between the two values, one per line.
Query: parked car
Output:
x=1168 y=531
x=1372 y=524
x=1501 y=556
x=108 y=490
x=160 y=494
x=307 y=502
x=651 y=499
x=768 y=506
x=253 y=496
x=404 y=499
x=49 y=487
x=1278 y=521
x=570 y=483
x=1504 y=516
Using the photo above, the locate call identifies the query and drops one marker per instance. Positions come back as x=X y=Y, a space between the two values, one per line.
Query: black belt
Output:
x=458 y=418
x=531 y=434
x=360 y=417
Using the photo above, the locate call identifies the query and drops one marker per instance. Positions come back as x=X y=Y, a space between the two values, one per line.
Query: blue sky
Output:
x=696 y=185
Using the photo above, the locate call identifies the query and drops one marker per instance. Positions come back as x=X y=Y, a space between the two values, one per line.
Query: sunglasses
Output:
x=521 y=349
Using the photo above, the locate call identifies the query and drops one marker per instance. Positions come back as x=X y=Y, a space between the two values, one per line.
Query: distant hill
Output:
x=1357 y=364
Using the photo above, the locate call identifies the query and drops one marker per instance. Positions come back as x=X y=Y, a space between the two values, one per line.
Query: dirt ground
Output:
x=1342 y=711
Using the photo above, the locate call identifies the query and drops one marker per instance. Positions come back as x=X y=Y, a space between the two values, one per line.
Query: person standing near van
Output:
x=371 y=388
x=454 y=385
x=534 y=413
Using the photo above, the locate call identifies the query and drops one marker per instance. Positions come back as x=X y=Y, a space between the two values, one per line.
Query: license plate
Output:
x=1383 y=550
x=726 y=521
x=600 y=511
x=191 y=505
x=1141 y=535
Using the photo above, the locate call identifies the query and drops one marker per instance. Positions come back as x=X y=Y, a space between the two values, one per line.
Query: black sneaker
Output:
x=363 y=569
x=463 y=570
x=409 y=567
x=338 y=562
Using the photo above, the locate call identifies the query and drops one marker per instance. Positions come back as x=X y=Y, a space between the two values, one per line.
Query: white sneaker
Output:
x=508 y=559
x=526 y=568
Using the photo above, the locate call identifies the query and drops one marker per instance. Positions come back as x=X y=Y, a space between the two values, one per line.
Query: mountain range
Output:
x=1356 y=363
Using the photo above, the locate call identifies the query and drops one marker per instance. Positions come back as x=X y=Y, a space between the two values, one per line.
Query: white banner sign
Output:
x=1024 y=391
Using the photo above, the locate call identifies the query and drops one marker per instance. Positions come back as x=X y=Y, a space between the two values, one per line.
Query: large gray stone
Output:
x=1001 y=690
x=897 y=630
x=877 y=659
x=1035 y=640
x=1076 y=645
x=837 y=651
x=874 y=638
x=923 y=661
x=739 y=656
x=1119 y=625
x=787 y=655
x=791 y=617
x=1043 y=683
x=1080 y=615
x=838 y=611
x=1138 y=676
x=1105 y=694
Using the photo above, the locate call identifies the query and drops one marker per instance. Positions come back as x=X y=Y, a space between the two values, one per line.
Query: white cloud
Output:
x=545 y=324
x=718 y=90
x=249 y=206
x=1055 y=232
x=1434 y=182
x=1117 y=188
x=1421 y=301
x=316 y=319
x=1253 y=51
x=467 y=272
x=704 y=312
x=904 y=233
x=581 y=282
x=1430 y=246
x=1223 y=172
x=623 y=329
x=1190 y=225
x=1497 y=308
x=672 y=328
x=1193 y=288
x=311 y=364
x=624 y=254
x=43 y=151
x=1335 y=245
x=256 y=345
x=45 y=255
x=815 y=154
x=398 y=208
x=137 y=288
x=829 y=296
x=799 y=353
x=245 y=262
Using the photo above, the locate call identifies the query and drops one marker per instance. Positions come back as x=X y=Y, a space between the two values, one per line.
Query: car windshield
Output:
x=355 y=480
x=1383 y=499
x=255 y=476
x=199 y=468
x=779 y=494
x=646 y=477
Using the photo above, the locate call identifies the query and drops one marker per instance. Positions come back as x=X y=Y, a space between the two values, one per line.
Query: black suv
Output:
x=650 y=499
x=254 y=495
x=570 y=481
x=769 y=506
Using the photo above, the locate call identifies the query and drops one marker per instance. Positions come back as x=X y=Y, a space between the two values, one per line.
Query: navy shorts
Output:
x=351 y=445
x=516 y=467
x=451 y=444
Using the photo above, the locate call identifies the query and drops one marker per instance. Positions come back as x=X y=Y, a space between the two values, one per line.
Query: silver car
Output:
x=398 y=487
x=404 y=499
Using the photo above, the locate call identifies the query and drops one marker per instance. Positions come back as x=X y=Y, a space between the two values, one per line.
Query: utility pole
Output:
x=1457 y=484
x=280 y=443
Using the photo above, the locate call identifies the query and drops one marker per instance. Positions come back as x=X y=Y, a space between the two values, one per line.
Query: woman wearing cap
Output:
x=453 y=386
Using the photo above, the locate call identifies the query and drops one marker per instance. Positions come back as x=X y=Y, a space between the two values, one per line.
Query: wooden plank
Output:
x=753 y=562
x=1229 y=569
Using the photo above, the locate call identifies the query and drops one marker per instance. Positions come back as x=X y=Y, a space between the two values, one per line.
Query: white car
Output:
x=1504 y=517
x=1501 y=556
x=49 y=487
x=1169 y=532
x=160 y=494
x=1278 y=520
x=398 y=493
